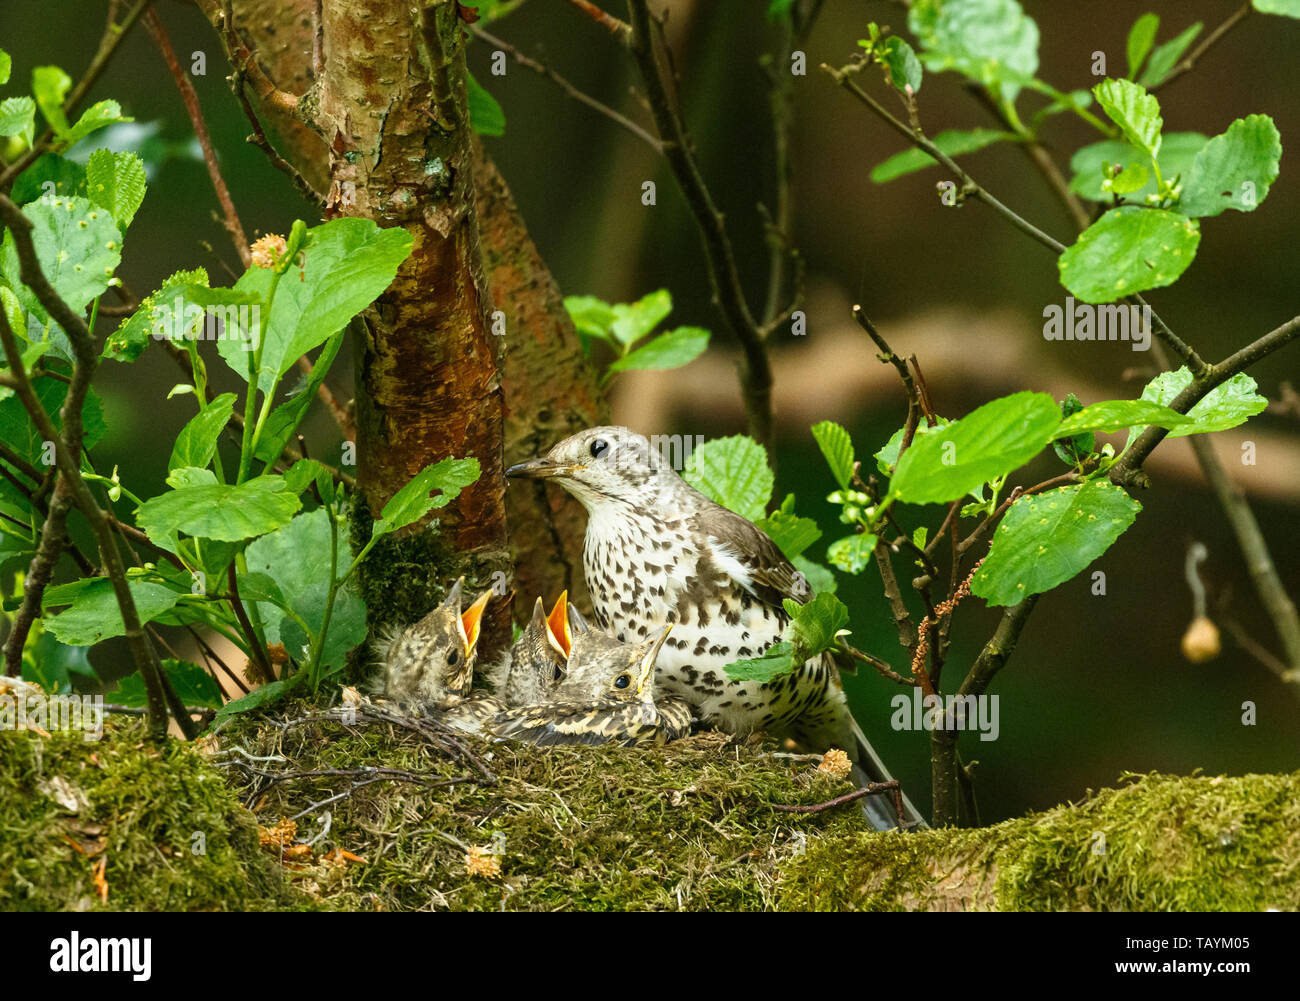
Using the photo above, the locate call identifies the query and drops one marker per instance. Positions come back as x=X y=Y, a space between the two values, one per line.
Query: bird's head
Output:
x=543 y=646
x=600 y=667
x=600 y=465
x=434 y=657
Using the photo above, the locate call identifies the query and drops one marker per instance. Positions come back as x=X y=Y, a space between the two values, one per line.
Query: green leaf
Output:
x=194 y=686
x=259 y=697
x=837 y=448
x=887 y=457
x=1128 y=250
x=219 y=511
x=78 y=247
x=1074 y=447
x=987 y=443
x=1177 y=151
x=814 y=624
x=591 y=316
x=777 y=660
x=18 y=118
x=197 y=442
x=94 y=615
x=1287 y=8
x=284 y=419
x=1166 y=55
x=1234 y=170
x=1119 y=415
x=852 y=553
x=1226 y=406
x=18 y=432
x=305 y=472
x=51 y=174
x=96 y=117
x=50 y=85
x=1136 y=112
x=791 y=533
x=485 y=114
x=297 y=558
x=632 y=321
x=1132 y=178
x=52 y=664
x=190 y=476
x=116 y=181
x=348 y=263
x=1045 y=539
x=991 y=42
x=6 y=65
x=734 y=473
x=174 y=312
x=953 y=142
x=415 y=500
x=904 y=67
x=671 y=350
x=1140 y=39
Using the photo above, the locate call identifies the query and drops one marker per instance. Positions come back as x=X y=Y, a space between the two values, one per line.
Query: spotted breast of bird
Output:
x=658 y=552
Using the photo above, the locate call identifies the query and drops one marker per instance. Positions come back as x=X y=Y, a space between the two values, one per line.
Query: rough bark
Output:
x=390 y=140
x=550 y=393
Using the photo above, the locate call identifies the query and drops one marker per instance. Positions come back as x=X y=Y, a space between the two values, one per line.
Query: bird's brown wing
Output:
x=773 y=577
x=561 y=723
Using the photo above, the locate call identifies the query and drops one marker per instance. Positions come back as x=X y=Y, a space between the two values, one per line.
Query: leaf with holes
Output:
x=1046 y=539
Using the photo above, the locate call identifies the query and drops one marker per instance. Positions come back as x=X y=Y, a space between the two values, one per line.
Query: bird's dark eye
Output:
x=452 y=658
x=622 y=681
x=599 y=447
x=558 y=674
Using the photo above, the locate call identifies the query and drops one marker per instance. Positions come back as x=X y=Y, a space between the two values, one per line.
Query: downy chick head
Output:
x=433 y=659
x=601 y=668
x=538 y=658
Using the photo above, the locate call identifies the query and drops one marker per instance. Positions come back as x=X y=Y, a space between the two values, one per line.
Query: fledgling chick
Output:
x=606 y=696
x=432 y=661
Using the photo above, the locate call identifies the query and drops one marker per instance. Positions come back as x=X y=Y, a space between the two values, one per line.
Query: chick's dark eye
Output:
x=622 y=681
x=452 y=658
x=558 y=674
x=599 y=447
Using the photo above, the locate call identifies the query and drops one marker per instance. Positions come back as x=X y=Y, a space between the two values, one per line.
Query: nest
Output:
x=368 y=808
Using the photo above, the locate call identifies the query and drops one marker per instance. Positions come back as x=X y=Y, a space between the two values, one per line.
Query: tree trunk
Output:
x=383 y=127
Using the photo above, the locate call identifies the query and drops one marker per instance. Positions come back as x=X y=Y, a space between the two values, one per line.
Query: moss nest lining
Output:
x=390 y=817
x=117 y=824
x=689 y=825
x=1156 y=843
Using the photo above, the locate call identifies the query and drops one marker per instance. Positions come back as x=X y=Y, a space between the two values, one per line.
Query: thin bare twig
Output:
x=1187 y=63
x=190 y=98
x=538 y=67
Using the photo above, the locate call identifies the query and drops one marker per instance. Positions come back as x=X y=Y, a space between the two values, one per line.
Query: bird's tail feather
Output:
x=879 y=807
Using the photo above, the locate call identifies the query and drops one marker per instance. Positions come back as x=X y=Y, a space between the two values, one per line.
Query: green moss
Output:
x=166 y=825
x=686 y=826
x=1157 y=843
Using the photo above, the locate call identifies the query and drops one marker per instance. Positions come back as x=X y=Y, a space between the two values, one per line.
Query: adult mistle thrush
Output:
x=659 y=552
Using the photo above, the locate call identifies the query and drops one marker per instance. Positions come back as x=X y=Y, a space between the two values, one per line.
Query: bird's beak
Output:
x=471 y=618
x=541 y=469
x=557 y=624
x=647 y=672
x=452 y=600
